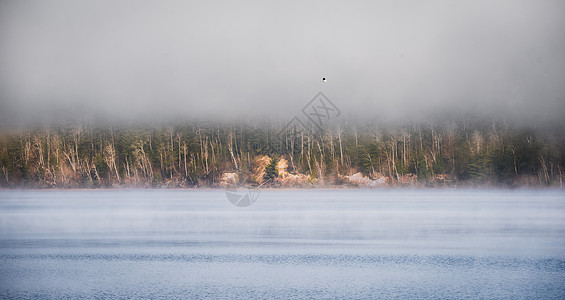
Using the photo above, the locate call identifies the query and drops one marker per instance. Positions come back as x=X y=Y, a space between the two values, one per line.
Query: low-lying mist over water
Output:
x=290 y=244
x=143 y=60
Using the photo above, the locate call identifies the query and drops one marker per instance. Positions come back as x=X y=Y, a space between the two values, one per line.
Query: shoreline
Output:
x=332 y=188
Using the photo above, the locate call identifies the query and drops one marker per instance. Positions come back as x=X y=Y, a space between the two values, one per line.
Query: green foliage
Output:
x=361 y=159
x=402 y=168
x=503 y=165
x=421 y=168
x=477 y=168
x=463 y=157
x=101 y=167
x=459 y=150
x=271 y=171
x=157 y=179
x=26 y=174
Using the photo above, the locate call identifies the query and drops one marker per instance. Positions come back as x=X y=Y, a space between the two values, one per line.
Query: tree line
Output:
x=195 y=154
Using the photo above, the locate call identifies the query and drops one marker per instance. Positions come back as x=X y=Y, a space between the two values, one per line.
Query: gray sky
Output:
x=250 y=59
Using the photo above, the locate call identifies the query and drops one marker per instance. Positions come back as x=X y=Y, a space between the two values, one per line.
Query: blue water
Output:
x=288 y=245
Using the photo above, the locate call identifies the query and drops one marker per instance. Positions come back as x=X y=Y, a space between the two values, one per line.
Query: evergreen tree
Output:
x=271 y=170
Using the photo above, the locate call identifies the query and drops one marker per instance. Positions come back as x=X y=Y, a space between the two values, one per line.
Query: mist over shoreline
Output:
x=76 y=116
x=190 y=154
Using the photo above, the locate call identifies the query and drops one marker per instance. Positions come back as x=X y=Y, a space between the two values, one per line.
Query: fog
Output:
x=255 y=59
x=363 y=244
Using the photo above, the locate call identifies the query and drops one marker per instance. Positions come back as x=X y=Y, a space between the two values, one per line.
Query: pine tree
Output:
x=271 y=170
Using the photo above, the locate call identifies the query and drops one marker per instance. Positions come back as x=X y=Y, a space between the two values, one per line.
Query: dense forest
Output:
x=200 y=154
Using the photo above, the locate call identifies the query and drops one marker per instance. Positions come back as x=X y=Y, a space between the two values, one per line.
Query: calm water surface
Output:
x=288 y=245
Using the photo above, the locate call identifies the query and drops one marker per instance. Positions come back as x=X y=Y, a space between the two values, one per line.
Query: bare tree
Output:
x=230 y=148
x=110 y=159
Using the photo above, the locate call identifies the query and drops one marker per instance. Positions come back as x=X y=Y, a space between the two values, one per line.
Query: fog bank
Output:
x=260 y=59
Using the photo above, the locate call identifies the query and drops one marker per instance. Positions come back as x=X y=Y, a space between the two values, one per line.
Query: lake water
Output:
x=288 y=245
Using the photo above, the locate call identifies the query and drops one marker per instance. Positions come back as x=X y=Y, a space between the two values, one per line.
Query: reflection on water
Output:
x=289 y=244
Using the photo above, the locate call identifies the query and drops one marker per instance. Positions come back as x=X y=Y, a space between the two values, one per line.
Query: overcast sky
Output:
x=250 y=59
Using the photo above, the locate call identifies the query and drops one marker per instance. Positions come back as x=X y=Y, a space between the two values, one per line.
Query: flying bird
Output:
x=324 y=79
